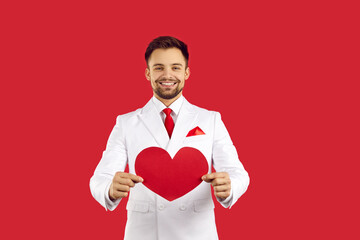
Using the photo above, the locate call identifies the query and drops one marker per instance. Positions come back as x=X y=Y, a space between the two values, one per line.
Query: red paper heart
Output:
x=167 y=177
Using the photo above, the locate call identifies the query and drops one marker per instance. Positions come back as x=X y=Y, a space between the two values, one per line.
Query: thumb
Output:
x=206 y=178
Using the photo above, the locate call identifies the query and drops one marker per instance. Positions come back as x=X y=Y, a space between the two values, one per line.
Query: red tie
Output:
x=169 y=122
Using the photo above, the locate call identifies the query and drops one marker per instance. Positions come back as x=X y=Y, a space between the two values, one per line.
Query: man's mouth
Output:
x=167 y=84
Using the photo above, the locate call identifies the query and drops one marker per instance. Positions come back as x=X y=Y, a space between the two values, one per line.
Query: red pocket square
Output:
x=194 y=132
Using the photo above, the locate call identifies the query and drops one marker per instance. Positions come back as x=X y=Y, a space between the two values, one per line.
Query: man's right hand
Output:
x=121 y=184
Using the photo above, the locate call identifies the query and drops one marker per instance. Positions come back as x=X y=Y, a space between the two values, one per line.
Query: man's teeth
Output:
x=167 y=84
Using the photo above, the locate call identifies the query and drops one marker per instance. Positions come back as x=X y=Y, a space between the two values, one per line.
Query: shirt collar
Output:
x=175 y=106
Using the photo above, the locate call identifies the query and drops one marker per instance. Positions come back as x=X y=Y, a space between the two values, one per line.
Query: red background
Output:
x=282 y=73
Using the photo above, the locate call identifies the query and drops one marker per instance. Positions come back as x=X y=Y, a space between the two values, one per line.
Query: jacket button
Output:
x=161 y=206
x=182 y=207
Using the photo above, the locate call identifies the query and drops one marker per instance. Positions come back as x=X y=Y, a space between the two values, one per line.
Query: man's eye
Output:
x=158 y=68
x=176 y=68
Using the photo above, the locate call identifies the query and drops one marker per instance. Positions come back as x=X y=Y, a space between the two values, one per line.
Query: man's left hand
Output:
x=221 y=183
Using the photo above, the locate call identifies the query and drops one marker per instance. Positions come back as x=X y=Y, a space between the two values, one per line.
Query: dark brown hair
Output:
x=165 y=42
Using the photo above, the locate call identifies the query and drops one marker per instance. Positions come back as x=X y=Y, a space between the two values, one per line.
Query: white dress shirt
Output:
x=175 y=107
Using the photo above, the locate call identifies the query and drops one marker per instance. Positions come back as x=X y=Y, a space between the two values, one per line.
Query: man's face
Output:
x=167 y=72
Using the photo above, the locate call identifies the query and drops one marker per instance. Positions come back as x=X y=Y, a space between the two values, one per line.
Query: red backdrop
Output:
x=282 y=73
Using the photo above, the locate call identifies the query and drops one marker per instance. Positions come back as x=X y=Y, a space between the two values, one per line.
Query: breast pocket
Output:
x=198 y=138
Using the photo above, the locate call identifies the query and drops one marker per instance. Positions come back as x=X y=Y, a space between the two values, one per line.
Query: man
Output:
x=168 y=122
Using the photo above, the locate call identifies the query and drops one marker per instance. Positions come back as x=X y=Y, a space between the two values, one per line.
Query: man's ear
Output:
x=147 y=73
x=187 y=73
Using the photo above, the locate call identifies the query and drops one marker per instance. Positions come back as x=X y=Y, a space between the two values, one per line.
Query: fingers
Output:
x=214 y=176
x=221 y=183
x=121 y=187
x=117 y=194
x=127 y=179
x=131 y=176
x=211 y=176
x=207 y=178
x=121 y=184
x=222 y=194
x=221 y=188
x=217 y=178
x=124 y=181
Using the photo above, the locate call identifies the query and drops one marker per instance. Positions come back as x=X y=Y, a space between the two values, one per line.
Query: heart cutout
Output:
x=171 y=178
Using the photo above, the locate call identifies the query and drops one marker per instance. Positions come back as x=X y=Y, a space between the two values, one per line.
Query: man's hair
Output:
x=165 y=42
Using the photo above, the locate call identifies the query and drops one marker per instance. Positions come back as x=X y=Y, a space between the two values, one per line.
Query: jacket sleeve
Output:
x=225 y=159
x=114 y=159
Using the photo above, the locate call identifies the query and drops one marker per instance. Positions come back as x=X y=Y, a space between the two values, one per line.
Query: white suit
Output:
x=150 y=216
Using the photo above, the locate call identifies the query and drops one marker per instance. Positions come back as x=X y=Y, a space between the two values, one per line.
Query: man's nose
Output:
x=168 y=74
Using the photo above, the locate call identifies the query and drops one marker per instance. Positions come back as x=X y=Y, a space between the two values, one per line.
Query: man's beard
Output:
x=167 y=94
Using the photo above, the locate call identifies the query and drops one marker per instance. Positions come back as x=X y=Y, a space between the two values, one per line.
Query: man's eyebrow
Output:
x=157 y=64
x=160 y=64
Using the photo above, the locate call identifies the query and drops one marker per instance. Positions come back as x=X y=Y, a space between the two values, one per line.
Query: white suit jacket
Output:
x=150 y=216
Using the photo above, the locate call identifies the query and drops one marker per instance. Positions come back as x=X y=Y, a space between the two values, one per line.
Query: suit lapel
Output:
x=187 y=116
x=152 y=120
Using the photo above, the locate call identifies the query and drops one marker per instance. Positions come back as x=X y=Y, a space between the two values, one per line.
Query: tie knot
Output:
x=167 y=111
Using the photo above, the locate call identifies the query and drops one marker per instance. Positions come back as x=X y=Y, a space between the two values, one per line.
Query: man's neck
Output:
x=168 y=102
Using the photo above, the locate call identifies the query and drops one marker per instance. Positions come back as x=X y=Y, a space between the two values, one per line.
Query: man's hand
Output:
x=121 y=184
x=221 y=183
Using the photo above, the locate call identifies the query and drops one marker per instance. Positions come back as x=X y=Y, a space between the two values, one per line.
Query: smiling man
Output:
x=167 y=71
x=169 y=128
